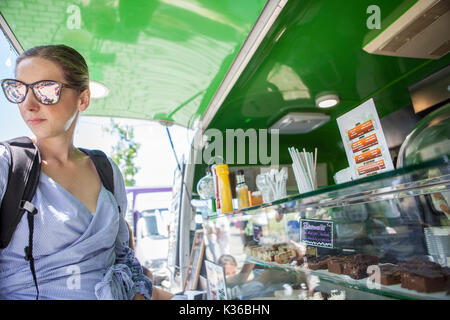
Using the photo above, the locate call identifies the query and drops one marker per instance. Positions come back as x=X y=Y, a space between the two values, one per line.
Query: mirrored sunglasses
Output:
x=46 y=92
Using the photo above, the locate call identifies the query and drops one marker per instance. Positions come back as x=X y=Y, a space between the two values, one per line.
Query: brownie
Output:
x=390 y=274
x=418 y=260
x=422 y=275
x=424 y=281
x=336 y=265
x=415 y=263
x=364 y=258
x=317 y=263
x=356 y=265
x=446 y=273
x=356 y=270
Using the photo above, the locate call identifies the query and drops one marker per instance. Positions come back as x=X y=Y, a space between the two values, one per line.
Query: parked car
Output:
x=152 y=241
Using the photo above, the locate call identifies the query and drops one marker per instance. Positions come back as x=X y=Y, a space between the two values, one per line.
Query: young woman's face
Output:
x=230 y=269
x=47 y=121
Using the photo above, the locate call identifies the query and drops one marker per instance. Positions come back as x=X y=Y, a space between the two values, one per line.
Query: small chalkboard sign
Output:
x=195 y=261
x=317 y=233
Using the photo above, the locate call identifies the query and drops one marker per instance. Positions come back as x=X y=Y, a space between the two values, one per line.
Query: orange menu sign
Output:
x=364 y=143
x=371 y=154
x=360 y=130
x=378 y=165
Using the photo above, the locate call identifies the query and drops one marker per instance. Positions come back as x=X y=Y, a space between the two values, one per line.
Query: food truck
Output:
x=320 y=158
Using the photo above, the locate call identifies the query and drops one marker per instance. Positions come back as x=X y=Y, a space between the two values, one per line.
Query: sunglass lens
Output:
x=47 y=91
x=14 y=91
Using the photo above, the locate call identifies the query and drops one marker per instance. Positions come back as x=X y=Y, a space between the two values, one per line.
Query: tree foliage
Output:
x=125 y=151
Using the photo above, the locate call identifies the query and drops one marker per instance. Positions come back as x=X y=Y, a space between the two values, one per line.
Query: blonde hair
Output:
x=75 y=69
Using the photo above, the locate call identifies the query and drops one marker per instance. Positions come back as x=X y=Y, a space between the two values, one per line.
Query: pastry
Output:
x=424 y=281
x=422 y=275
x=317 y=263
x=336 y=265
x=390 y=274
x=282 y=258
x=356 y=265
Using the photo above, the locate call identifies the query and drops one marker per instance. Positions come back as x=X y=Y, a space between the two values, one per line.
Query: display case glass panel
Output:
x=381 y=237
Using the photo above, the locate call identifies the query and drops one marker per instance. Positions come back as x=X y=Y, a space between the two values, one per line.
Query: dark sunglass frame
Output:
x=31 y=85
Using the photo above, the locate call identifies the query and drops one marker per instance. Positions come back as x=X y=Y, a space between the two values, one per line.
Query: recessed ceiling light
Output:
x=98 y=90
x=327 y=101
x=300 y=122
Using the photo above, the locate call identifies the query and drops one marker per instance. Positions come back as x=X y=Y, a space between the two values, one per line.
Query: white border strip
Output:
x=375 y=45
x=10 y=35
x=265 y=21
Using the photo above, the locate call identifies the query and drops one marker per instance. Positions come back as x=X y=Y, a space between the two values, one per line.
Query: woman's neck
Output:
x=58 y=150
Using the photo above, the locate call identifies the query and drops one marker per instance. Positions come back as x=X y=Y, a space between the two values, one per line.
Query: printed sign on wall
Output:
x=364 y=142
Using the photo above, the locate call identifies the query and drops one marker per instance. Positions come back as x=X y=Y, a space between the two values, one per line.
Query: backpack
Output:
x=23 y=179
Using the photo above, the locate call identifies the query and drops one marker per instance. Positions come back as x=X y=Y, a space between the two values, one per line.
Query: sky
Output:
x=155 y=157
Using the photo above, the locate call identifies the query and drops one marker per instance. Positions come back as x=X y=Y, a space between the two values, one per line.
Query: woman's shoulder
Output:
x=119 y=184
x=4 y=151
x=116 y=170
x=5 y=161
x=5 y=158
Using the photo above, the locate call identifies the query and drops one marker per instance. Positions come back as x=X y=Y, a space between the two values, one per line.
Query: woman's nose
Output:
x=30 y=103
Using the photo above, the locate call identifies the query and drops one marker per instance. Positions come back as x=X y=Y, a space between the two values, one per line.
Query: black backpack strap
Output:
x=103 y=166
x=23 y=179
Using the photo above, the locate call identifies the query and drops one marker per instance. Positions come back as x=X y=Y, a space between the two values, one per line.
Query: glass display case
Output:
x=375 y=238
x=429 y=139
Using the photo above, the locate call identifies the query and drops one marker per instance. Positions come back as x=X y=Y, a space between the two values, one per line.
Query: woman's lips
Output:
x=35 y=121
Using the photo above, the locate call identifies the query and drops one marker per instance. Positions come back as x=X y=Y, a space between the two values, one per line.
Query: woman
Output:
x=80 y=238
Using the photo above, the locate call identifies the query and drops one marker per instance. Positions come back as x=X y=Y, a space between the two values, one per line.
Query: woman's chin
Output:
x=43 y=134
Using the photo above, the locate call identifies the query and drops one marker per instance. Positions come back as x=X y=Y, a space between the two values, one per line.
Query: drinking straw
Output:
x=303 y=170
x=308 y=167
x=300 y=171
x=304 y=165
x=315 y=169
x=295 y=169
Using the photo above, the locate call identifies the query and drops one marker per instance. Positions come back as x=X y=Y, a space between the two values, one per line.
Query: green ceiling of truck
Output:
x=160 y=59
x=319 y=49
x=165 y=59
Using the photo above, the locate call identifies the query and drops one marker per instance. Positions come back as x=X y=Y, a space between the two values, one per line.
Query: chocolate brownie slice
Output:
x=356 y=270
x=365 y=258
x=317 y=263
x=390 y=274
x=336 y=265
x=419 y=263
x=356 y=266
x=423 y=281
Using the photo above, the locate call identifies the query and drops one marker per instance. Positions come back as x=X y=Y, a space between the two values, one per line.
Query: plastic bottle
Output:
x=217 y=189
x=223 y=181
x=241 y=190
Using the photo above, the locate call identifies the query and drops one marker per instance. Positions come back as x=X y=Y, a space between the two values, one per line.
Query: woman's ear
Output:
x=84 y=99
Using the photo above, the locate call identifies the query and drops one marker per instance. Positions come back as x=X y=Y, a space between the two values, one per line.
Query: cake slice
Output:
x=336 y=265
x=317 y=263
x=390 y=274
x=426 y=281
